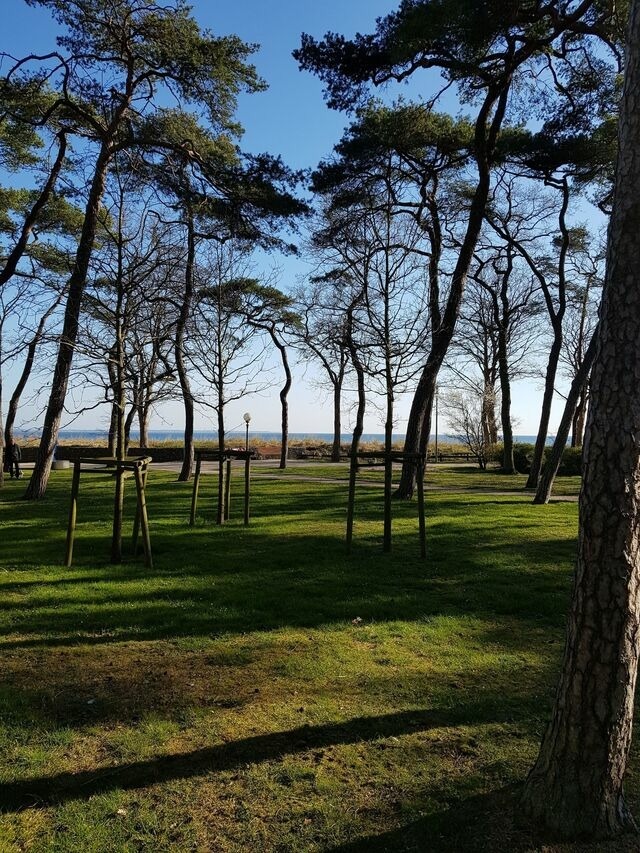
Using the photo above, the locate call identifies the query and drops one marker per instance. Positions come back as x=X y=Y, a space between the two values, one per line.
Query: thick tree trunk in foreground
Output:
x=576 y=391
x=575 y=786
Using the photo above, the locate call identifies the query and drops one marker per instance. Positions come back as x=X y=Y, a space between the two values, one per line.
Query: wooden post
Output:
x=421 y=519
x=220 y=511
x=386 y=538
x=144 y=521
x=353 y=468
x=136 y=522
x=118 y=508
x=194 y=494
x=71 y=529
x=247 y=484
x=227 y=491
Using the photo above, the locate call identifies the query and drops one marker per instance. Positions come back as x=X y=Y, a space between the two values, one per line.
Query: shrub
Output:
x=571 y=463
x=522 y=456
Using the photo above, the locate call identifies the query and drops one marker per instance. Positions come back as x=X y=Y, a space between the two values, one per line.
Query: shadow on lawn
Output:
x=210 y=581
x=479 y=824
x=47 y=790
x=302 y=583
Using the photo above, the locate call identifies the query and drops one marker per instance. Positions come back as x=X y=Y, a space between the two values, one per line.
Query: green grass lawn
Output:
x=258 y=690
x=453 y=477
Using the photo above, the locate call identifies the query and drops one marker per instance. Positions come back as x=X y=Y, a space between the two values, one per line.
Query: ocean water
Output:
x=271 y=437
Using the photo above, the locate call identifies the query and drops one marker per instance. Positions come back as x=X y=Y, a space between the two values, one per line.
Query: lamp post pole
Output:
x=247 y=419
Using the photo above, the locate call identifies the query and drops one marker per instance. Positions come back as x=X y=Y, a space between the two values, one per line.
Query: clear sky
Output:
x=290 y=119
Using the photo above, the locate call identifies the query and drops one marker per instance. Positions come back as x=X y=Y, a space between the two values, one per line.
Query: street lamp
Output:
x=247 y=419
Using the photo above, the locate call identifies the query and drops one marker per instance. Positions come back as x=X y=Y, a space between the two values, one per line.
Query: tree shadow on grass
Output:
x=303 y=582
x=289 y=569
x=479 y=824
x=485 y=823
x=44 y=791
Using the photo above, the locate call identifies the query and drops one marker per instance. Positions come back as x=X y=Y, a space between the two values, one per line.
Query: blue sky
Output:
x=289 y=119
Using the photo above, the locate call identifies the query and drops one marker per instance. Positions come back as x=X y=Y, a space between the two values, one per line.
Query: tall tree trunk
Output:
x=221 y=462
x=181 y=369
x=358 y=428
x=388 y=468
x=419 y=424
x=143 y=425
x=545 y=413
x=14 y=402
x=576 y=391
x=112 y=437
x=128 y=423
x=577 y=426
x=284 y=394
x=37 y=485
x=557 y=318
x=508 y=463
x=575 y=787
x=337 y=417
x=489 y=425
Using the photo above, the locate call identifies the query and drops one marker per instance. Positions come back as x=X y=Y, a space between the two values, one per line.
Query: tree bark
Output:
x=545 y=414
x=143 y=425
x=575 y=787
x=550 y=470
x=181 y=369
x=284 y=393
x=489 y=425
x=128 y=423
x=112 y=437
x=37 y=485
x=508 y=462
x=577 y=427
x=358 y=427
x=337 y=418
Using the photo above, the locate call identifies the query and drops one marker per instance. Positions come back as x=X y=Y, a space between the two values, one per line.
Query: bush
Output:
x=494 y=452
x=571 y=463
x=522 y=456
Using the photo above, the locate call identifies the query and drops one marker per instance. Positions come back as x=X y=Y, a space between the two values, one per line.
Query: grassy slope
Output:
x=260 y=691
